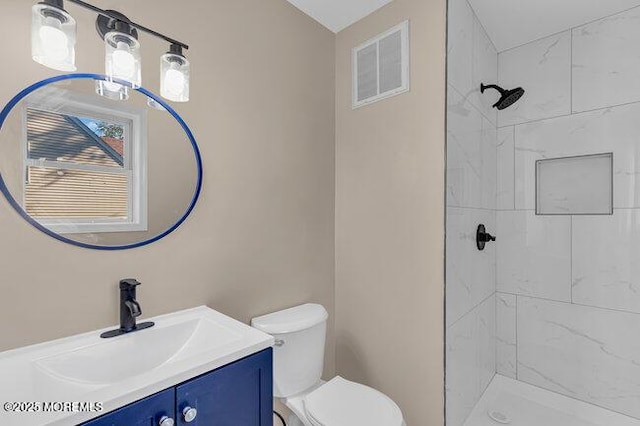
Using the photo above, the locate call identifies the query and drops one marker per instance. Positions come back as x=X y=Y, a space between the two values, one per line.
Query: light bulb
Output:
x=174 y=82
x=54 y=40
x=124 y=64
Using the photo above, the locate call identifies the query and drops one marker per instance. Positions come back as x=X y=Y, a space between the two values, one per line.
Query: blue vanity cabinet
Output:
x=239 y=394
x=146 y=412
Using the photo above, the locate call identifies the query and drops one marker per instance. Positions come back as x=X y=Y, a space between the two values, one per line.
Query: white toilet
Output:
x=298 y=360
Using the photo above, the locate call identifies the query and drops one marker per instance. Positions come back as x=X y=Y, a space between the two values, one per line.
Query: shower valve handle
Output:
x=483 y=237
x=487 y=237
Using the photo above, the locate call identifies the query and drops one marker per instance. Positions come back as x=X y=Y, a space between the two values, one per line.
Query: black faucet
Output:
x=129 y=310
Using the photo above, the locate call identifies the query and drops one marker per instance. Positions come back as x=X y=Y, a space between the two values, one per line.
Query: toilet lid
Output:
x=340 y=402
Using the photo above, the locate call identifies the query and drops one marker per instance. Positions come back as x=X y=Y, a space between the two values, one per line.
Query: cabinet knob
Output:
x=166 y=421
x=189 y=414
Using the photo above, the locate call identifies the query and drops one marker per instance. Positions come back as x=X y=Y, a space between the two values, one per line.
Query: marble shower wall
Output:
x=472 y=150
x=568 y=301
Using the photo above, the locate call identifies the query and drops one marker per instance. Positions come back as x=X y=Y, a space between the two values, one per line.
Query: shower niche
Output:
x=581 y=185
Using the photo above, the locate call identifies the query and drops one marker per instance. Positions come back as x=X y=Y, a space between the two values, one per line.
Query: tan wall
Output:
x=390 y=161
x=262 y=235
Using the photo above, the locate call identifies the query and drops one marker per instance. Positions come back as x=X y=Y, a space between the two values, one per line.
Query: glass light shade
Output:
x=113 y=91
x=53 y=37
x=174 y=77
x=122 y=58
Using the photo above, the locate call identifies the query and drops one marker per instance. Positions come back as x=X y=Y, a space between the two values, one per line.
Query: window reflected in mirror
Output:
x=83 y=171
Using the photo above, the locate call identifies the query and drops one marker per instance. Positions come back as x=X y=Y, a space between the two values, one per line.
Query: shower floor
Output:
x=522 y=404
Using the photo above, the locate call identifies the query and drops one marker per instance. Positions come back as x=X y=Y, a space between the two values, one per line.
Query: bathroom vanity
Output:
x=238 y=394
x=196 y=366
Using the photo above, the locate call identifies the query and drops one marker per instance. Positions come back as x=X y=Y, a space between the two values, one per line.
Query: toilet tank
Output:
x=298 y=354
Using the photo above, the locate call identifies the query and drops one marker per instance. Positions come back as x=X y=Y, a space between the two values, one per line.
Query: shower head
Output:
x=507 y=97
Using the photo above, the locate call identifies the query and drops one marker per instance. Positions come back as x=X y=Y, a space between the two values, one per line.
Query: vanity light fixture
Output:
x=174 y=75
x=122 y=49
x=53 y=37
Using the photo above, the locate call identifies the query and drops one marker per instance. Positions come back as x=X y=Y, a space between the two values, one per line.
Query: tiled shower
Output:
x=555 y=301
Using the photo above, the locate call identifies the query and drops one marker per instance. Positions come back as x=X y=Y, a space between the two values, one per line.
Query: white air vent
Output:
x=381 y=66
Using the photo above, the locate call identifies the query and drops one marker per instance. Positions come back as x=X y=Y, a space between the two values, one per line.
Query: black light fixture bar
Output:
x=118 y=17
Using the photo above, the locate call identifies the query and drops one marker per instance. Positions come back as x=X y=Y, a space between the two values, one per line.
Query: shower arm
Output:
x=484 y=87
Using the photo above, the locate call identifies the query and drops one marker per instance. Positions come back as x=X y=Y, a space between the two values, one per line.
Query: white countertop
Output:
x=180 y=346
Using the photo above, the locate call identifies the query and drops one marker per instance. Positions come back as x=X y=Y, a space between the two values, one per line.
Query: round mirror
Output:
x=96 y=163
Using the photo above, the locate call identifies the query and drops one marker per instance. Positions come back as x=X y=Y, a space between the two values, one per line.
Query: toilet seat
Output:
x=340 y=402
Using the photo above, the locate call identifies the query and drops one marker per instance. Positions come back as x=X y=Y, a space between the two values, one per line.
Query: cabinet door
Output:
x=146 y=412
x=238 y=394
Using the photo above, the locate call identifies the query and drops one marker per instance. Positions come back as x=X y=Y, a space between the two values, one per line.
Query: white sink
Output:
x=119 y=358
x=122 y=369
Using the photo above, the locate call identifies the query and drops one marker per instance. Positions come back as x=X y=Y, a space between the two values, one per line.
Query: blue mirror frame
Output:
x=3 y=187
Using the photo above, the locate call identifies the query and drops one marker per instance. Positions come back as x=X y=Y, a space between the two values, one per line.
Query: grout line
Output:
x=545 y=299
x=537 y=120
x=498 y=83
x=473 y=65
x=519 y=210
x=571 y=28
x=475 y=15
x=517 y=337
x=514 y=210
x=471 y=310
x=604 y=17
x=582 y=400
x=571 y=72
x=514 y=167
x=537 y=40
x=571 y=259
x=445 y=357
x=471 y=208
x=495 y=334
x=547 y=215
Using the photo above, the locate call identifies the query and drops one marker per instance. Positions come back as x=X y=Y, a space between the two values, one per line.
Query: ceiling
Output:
x=337 y=15
x=511 y=23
